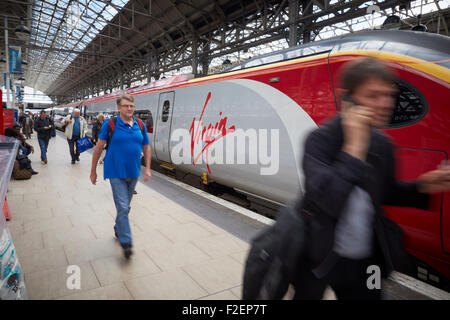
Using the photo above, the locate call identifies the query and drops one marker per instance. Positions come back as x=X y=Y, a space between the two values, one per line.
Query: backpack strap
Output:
x=111 y=127
x=141 y=125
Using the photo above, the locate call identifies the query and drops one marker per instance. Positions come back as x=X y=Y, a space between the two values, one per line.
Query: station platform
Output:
x=186 y=244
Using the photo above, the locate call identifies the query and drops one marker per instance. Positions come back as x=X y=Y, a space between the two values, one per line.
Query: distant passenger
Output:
x=25 y=147
x=122 y=164
x=27 y=125
x=97 y=126
x=43 y=127
x=75 y=128
x=349 y=169
x=21 y=117
x=96 y=131
x=24 y=162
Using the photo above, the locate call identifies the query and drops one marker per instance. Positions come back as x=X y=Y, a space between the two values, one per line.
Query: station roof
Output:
x=78 y=44
x=60 y=31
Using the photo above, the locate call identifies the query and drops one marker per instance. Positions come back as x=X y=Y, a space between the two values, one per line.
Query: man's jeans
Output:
x=74 y=145
x=43 y=144
x=26 y=151
x=123 y=192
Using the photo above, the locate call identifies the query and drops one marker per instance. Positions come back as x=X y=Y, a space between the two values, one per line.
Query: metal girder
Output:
x=181 y=33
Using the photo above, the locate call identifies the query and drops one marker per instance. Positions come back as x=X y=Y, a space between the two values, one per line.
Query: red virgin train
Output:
x=244 y=128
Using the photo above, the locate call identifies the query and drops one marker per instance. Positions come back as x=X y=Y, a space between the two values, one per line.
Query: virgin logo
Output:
x=205 y=143
x=207 y=135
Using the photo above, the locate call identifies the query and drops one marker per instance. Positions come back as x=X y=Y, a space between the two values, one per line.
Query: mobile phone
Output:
x=348 y=98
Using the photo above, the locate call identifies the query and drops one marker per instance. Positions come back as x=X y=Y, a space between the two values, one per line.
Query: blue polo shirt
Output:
x=123 y=157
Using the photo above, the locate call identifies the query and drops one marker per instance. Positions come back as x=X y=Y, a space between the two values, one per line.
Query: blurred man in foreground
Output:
x=349 y=169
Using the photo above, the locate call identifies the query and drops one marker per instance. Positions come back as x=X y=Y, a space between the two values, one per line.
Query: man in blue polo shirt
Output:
x=122 y=164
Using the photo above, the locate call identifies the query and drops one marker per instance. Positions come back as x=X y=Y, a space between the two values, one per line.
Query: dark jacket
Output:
x=96 y=130
x=39 y=125
x=331 y=174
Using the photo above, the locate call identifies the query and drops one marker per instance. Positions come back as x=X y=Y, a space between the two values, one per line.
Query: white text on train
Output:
x=238 y=147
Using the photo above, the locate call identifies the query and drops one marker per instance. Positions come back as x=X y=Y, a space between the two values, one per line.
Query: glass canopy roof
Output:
x=61 y=29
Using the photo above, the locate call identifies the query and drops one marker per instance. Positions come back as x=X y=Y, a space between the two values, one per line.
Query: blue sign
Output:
x=4 y=81
x=19 y=94
x=15 y=60
x=16 y=116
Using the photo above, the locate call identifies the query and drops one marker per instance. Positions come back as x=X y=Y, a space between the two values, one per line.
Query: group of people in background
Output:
x=74 y=126
x=44 y=127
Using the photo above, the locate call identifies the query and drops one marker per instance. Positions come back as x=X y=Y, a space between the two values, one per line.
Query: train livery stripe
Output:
x=428 y=67
x=258 y=70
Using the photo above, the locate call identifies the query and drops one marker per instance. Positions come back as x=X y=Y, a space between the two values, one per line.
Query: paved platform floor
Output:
x=185 y=247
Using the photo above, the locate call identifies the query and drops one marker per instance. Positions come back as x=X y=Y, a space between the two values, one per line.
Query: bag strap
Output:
x=111 y=127
x=141 y=125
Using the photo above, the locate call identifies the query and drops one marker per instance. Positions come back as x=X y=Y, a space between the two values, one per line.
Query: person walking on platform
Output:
x=96 y=131
x=76 y=128
x=27 y=126
x=122 y=163
x=43 y=127
x=349 y=169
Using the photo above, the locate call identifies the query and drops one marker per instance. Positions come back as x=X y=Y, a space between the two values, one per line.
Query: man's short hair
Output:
x=42 y=111
x=357 y=72
x=126 y=97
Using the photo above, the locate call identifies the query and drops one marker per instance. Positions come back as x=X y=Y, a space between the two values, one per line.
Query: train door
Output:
x=163 y=124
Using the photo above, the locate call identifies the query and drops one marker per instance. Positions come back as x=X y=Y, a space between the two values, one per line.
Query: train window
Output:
x=410 y=107
x=146 y=116
x=165 y=111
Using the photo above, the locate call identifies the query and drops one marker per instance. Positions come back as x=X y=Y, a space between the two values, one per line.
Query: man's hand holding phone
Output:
x=356 y=124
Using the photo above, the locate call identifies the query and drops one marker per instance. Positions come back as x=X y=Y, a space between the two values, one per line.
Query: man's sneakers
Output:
x=44 y=161
x=127 y=252
x=73 y=161
x=34 y=172
x=78 y=158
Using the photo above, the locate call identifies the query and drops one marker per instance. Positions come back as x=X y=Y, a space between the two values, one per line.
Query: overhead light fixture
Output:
x=392 y=22
x=22 y=31
x=226 y=62
x=419 y=26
